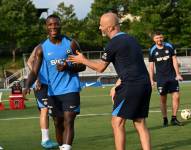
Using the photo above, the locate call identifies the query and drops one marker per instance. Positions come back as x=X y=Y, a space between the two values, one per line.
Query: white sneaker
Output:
x=1 y=147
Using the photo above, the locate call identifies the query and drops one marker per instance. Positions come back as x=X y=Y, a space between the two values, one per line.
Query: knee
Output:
x=176 y=96
x=117 y=122
x=68 y=123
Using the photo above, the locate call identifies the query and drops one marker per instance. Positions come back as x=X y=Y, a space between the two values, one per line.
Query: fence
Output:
x=184 y=57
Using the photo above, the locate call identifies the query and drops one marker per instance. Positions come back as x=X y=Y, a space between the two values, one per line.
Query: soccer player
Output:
x=41 y=94
x=162 y=55
x=62 y=78
x=133 y=89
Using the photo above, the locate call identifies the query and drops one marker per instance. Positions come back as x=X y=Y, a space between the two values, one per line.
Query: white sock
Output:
x=45 y=135
x=60 y=147
x=66 y=147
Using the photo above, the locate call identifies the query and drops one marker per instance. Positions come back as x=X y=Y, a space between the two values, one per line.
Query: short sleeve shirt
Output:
x=163 y=62
x=126 y=55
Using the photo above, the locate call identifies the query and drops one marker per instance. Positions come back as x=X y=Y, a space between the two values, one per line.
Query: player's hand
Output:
x=179 y=77
x=37 y=85
x=112 y=93
x=153 y=83
x=25 y=92
x=79 y=58
x=62 y=66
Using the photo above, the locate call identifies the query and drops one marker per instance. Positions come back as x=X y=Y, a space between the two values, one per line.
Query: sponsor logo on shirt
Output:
x=163 y=58
x=166 y=51
x=55 y=61
x=157 y=53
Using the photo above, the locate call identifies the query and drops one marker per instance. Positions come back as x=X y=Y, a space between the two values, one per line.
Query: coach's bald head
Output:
x=109 y=24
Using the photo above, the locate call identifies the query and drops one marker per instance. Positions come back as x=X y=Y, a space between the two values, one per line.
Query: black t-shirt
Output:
x=126 y=55
x=163 y=62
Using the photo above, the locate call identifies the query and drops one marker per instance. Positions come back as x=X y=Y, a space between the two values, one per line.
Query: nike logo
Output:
x=49 y=54
x=89 y=84
x=72 y=106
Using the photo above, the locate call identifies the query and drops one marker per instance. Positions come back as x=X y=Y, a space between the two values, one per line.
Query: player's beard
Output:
x=103 y=34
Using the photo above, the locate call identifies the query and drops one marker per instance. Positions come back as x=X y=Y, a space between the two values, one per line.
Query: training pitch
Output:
x=19 y=129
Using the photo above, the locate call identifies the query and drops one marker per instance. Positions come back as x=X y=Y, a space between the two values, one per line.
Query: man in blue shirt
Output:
x=62 y=80
x=133 y=89
x=163 y=56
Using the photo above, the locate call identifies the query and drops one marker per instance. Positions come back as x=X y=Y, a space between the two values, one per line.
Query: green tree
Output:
x=172 y=17
x=93 y=35
x=19 y=24
x=69 y=20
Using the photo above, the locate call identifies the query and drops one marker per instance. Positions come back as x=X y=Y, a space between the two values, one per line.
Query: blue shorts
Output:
x=167 y=87
x=41 y=96
x=61 y=103
x=132 y=101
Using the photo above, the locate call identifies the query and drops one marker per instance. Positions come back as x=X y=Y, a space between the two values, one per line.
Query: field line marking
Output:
x=85 y=115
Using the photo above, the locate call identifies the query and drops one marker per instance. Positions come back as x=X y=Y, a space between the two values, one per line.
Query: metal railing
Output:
x=19 y=75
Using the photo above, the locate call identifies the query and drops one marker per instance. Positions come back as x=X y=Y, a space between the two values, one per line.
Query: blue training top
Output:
x=59 y=82
x=43 y=73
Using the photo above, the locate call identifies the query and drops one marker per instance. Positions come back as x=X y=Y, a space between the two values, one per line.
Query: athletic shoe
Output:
x=1 y=147
x=165 y=122
x=49 y=144
x=175 y=122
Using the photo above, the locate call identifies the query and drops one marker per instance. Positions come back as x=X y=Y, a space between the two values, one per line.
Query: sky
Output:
x=81 y=7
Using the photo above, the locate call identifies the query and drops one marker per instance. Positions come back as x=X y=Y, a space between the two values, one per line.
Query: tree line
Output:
x=21 y=28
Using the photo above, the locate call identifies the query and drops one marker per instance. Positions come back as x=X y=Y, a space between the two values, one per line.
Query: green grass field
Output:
x=19 y=129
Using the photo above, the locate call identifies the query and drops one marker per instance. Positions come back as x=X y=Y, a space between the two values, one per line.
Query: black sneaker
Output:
x=175 y=122
x=165 y=122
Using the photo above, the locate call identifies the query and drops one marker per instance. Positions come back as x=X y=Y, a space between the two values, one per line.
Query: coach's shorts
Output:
x=41 y=96
x=168 y=87
x=132 y=101
x=61 y=103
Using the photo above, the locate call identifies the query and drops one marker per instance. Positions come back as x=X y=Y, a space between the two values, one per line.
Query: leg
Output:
x=163 y=107
x=175 y=107
x=59 y=129
x=140 y=125
x=44 y=124
x=175 y=102
x=68 y=136
x=118 y=125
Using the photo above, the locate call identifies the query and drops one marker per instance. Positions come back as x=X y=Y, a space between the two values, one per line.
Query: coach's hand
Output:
x=78 y=58
x=179 y=77
x=153 y=83
x=112 y=93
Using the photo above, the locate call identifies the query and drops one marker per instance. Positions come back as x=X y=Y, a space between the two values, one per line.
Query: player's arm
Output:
x=176 y=68
x=30 y=62
x=98 y=66
x=151 y=72
x=31 y=59
x=35 y=69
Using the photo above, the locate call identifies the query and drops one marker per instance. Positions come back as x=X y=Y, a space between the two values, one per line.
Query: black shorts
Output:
x=41 y=96
x=167 y=87
x=132 y=101
x=61 y=103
